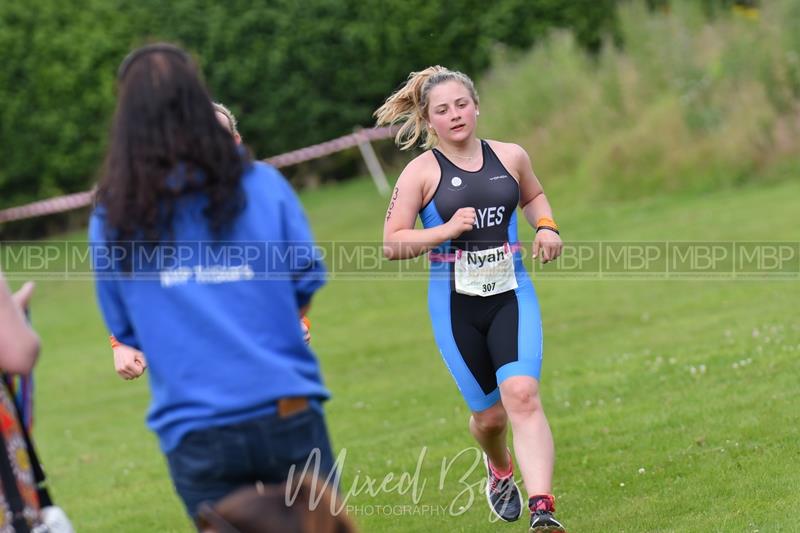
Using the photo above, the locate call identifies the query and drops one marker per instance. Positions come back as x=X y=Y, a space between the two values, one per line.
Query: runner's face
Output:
x=452 y=112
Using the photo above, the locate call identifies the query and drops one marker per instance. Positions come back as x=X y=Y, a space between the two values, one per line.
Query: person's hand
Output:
x=129 y=362
x=22 y=297
x=462 y=221
x=305 y=326
x=548 y=245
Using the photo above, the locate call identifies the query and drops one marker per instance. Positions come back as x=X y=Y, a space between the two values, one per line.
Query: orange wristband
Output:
x=307 y=322
x=545 y=221
x=114 y=341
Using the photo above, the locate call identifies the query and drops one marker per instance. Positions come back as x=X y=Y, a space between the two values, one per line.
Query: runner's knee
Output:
x=520 y=397
x=492 y=420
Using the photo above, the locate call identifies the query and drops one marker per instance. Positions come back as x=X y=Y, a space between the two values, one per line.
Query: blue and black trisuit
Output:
x=483 y=340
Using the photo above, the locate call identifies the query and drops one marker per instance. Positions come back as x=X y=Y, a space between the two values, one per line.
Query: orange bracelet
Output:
x=307 y=322
x=545 y=221
x=114 y=341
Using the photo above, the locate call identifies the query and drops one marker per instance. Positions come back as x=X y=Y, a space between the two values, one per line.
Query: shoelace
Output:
x=504 y=491
x=543 y=504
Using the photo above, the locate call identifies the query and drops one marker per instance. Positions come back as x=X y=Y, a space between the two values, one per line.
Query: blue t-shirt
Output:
x=217 y=318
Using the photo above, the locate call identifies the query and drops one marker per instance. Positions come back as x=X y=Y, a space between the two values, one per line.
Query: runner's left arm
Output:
x=535 y=207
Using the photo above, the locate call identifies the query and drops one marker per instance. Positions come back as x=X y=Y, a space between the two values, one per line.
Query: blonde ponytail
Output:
x=408 y=106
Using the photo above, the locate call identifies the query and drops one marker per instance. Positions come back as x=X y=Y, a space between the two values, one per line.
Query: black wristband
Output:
x=548 y=227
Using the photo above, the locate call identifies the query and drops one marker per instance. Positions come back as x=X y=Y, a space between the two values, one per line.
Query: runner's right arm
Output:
x=400 y=239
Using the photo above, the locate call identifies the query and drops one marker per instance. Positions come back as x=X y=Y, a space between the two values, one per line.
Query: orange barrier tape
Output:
x=61 y=204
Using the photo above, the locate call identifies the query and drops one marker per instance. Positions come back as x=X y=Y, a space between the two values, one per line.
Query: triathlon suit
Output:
x=483 y=339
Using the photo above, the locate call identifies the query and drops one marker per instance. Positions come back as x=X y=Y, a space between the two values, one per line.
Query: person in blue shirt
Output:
x=204 y=261
x=131 y=363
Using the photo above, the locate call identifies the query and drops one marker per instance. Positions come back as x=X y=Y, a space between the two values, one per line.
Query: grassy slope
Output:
x=718 y=447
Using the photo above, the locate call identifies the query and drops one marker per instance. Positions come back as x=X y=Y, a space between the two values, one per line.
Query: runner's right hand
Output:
x=462 y=221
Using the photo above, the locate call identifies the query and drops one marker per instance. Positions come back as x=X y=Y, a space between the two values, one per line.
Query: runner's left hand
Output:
x=547 y=245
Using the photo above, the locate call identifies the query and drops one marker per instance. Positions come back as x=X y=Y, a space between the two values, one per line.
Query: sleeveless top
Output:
x=491 y=190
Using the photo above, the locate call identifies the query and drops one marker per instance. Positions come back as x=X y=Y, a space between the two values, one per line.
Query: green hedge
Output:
x=688 y=105
x=296 y=71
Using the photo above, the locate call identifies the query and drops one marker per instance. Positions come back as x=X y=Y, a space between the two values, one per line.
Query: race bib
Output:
x=485 y=272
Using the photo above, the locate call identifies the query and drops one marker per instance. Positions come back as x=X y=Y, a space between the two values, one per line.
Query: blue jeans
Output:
x=209 y=464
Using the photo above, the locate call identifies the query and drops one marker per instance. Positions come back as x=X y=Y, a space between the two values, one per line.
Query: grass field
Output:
x=674 y=403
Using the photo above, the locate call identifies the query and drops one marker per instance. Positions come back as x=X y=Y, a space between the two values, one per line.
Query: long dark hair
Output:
x=166 y=142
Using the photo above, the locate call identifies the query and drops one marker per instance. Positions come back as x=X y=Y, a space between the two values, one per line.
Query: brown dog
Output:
x=264 y=509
